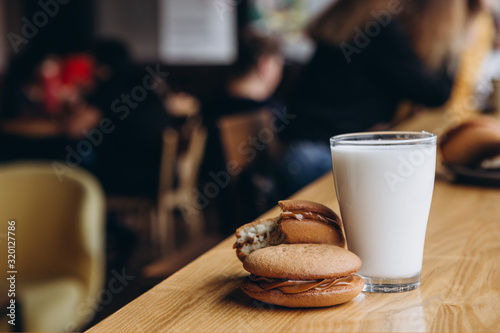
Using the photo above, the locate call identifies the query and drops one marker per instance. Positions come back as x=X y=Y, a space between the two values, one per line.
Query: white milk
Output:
x=385 y=195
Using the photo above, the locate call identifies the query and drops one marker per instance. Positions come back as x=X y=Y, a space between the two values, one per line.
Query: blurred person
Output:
x=252 y=80
x=250 y=86
x=129 y=139
x=371 y=56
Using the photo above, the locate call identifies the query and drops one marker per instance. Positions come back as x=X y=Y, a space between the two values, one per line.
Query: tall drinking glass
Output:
x=384 y=183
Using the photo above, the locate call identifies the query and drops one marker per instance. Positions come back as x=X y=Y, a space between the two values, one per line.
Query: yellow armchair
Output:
x=59 y=263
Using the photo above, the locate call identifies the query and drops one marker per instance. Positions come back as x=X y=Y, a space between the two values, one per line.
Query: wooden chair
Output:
x=178 y=179
x=250 y=144
x=244 y=135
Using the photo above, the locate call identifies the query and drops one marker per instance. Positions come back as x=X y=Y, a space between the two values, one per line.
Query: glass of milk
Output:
x=384 y=183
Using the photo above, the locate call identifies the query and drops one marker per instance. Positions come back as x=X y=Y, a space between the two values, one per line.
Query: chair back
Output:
x=246 y=135
x=168 y=160
x=183 y=150
x=180 y=167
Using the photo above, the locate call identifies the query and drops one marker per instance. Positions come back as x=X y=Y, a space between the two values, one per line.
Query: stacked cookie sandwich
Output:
x=298 y=259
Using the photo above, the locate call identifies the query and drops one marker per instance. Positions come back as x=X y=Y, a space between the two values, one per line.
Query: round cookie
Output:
x=302 y=275
x=302 y=262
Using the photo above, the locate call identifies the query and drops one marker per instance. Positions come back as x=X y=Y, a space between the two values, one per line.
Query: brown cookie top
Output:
x=302 y=262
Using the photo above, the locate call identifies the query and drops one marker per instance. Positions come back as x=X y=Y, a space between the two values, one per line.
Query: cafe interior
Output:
x=137 y=136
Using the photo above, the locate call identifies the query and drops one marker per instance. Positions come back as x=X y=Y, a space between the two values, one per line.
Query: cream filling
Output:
x=299 y=286
x=258 y=236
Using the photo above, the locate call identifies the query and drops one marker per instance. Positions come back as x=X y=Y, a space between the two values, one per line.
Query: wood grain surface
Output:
x=459 y=292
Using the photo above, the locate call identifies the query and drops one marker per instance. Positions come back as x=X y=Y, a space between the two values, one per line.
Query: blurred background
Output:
x=189 y=118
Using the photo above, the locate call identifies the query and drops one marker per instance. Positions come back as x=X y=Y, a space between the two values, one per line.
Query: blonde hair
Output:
x=435 y=28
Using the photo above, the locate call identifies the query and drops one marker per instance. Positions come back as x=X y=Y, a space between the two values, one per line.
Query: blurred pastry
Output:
x=474 y=143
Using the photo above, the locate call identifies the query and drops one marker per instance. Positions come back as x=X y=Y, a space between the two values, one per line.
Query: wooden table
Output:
x=460 y=288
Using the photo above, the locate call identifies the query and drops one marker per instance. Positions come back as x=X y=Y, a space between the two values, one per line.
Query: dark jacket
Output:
x=351 y=87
